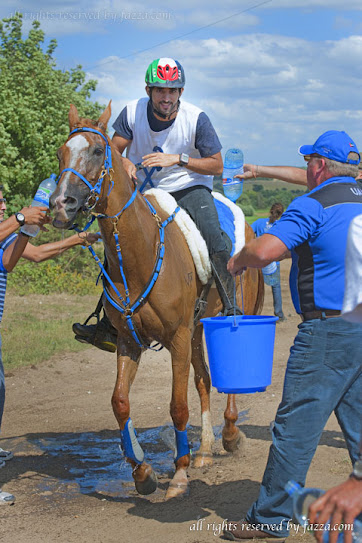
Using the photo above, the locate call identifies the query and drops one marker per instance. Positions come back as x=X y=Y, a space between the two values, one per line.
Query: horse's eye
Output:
x=98 y=151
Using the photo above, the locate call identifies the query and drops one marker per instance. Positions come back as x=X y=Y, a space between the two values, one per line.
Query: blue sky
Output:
x=271 y=75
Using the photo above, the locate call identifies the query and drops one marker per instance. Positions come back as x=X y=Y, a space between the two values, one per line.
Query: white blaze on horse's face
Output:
x=77 y=146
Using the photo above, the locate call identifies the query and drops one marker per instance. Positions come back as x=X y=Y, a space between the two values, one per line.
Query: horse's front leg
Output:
x=143 y=474
x=181 y=355
x=232 y=438
x=203 y=456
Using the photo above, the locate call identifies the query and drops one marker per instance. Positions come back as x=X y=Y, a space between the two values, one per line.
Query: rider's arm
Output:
x=49 y=250
x=297 y=176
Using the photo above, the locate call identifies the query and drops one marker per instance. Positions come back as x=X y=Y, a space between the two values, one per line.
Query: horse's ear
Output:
x=104 y=118
x=73 y=117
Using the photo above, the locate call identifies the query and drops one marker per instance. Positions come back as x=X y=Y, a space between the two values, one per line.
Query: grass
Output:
x=259 y=214
x=36 y=327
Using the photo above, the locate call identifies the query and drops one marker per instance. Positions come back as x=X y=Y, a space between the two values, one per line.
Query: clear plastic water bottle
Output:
x=303 y=498
x=233 y=165
x=41 y=199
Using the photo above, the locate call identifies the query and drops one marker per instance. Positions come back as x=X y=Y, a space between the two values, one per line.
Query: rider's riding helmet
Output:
x=165 y=72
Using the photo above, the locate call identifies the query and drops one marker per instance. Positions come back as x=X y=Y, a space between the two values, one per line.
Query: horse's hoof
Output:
x=178 y=486
x=148 y=486
x=175 y=490
x=234 y=444
x=202 y=460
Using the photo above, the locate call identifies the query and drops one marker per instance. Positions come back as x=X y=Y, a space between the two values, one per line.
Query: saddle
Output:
x=232 y=222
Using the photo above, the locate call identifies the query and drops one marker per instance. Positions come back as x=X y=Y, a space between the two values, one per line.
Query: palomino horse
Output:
x=131 y=233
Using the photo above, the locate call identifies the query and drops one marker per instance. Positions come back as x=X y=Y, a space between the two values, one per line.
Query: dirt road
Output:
x=71 y=483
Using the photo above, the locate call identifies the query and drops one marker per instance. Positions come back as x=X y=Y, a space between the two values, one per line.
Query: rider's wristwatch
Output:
x=20 y=218
x=357 y=469
x=184 y=159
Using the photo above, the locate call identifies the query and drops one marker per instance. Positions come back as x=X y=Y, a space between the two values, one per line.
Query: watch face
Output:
x=20 y=218
x=184 y=159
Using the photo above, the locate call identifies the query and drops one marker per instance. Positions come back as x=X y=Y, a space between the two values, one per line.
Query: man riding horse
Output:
x=177 y=149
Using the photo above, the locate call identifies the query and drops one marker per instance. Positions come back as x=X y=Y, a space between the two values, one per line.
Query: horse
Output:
x=92 y=178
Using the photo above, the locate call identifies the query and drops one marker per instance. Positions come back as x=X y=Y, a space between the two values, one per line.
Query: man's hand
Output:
x=130 y=168
x=159 y=160
x=340 y=504
x=250 y=172
x=36 y=215
x=88 y=238
x=234 y=267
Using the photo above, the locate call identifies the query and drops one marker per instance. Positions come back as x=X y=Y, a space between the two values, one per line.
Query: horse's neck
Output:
x=136 y=227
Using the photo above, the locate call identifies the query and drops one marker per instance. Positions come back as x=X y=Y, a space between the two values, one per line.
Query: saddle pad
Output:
x=232 y=221
x=192 y=234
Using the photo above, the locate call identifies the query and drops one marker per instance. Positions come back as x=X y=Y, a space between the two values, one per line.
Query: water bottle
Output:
x=41 y=199
x=233 y=165
x=303 y=498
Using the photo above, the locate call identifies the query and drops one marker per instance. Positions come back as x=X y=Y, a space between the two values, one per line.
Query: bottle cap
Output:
x=53 y=176
x=292 y=487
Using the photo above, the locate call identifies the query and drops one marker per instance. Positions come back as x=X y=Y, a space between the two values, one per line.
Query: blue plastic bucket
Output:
x=240 y=351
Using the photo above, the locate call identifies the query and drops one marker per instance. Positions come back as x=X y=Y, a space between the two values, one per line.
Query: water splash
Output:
x=96 y=464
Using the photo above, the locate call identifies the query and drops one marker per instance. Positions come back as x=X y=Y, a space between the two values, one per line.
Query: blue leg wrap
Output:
x=182 y=444
x=130 y=446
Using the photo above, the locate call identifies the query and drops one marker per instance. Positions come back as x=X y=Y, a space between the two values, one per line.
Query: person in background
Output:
x=12 y=247
x=271 y=273
x=324 y=372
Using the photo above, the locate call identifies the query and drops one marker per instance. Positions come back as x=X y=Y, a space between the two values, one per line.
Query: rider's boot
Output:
x=102 y=335
x=224 y=282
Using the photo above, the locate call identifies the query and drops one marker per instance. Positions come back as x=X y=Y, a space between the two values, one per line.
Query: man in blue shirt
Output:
x=324 y=368
x=271 y=272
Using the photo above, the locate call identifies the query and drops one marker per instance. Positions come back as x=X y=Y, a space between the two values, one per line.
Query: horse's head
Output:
x=83 y=161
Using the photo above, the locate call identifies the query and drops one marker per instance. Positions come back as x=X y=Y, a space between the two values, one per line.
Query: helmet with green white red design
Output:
x=165 y=72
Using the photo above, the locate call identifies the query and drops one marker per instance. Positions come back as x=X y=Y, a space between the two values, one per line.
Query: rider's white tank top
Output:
x=178 y=138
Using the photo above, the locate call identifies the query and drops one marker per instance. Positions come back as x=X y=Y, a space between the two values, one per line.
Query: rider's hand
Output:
x=36 y=215
x=162 y=160
x=130 y=168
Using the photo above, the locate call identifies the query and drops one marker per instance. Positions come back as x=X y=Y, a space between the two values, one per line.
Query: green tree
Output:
x=34 y=102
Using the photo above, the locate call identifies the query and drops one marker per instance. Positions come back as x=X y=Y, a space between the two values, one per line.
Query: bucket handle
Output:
x=241 y=278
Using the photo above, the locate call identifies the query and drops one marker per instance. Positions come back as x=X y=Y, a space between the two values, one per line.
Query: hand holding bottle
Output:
x=36 y=216
x=339 y=505
x=41 y=199
x=231 y=177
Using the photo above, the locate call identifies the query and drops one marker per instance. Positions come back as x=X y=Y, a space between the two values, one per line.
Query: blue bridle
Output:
x=123 y=305
x=107 y=169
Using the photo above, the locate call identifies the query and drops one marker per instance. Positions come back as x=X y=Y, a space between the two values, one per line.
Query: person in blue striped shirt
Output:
x=12 y=247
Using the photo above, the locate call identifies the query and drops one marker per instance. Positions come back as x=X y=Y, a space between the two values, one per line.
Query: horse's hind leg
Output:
x=203 y=456
x=181 y=354
x=232 y=438
x=143 y=474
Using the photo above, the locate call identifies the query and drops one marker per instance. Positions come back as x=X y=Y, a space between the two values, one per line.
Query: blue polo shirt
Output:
x=314 y=228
